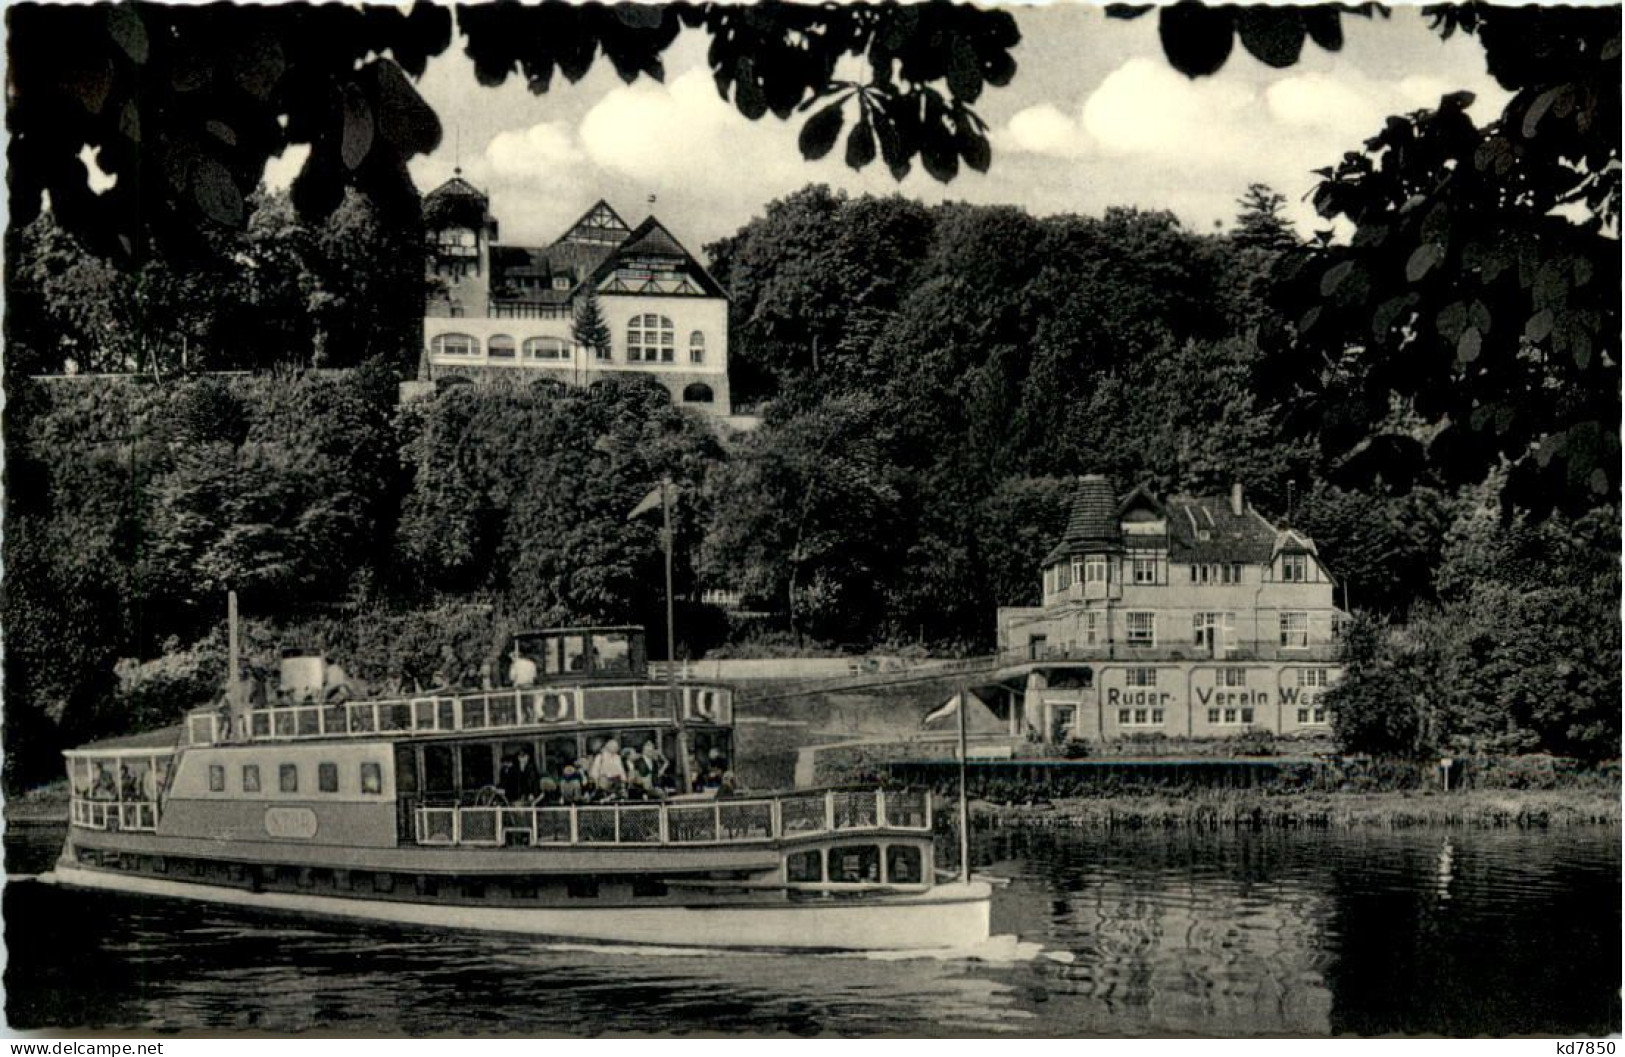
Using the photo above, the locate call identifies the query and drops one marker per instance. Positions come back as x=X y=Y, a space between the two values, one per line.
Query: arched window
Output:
x=460 y=345
x=650 y=339
x=545 y=349
x=500 y=347
x=696 y=347
x=698 y=393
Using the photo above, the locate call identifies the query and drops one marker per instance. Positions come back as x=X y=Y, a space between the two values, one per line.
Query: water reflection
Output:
x=1145 y=933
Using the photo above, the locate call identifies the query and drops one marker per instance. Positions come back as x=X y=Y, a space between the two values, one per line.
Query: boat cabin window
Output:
x=575 y=653
x=327 y=777
x=217 y=778
x=612 y=653
x=479 y=766
x=609 y=652
x=372 y=778
x=406 y=769
x=251 y=777
x=903 y=864
x=559 y=753
x=439 y=770
x=854 y=864
x=288 y=777
x=804 y=866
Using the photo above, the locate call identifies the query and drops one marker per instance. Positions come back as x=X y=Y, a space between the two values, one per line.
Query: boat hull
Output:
x=947 y=916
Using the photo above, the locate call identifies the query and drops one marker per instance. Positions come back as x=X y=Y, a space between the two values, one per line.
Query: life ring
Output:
x=555 y=707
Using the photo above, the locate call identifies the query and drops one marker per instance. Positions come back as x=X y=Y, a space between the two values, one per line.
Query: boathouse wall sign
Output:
x=290 y=823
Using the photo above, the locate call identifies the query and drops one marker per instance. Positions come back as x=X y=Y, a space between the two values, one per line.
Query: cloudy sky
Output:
x=1094 y=118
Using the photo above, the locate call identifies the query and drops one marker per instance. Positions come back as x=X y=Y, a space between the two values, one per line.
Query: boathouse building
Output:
x=1189 y=617
x=500 y=312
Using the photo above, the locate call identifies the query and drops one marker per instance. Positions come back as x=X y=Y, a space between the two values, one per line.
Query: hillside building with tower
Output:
x=1185 y=616
x=505 y=313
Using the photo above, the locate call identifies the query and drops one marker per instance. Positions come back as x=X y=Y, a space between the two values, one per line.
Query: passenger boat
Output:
x=398 y=810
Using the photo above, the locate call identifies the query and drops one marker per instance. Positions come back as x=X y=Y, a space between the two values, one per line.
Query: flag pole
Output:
x=964 y=801
x=684 y=777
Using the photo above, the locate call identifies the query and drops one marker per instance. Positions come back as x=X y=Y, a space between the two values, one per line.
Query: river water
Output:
x=1456 y=932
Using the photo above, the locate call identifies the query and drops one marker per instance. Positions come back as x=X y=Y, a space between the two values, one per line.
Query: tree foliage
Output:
x=183 y=105
x=587 y=327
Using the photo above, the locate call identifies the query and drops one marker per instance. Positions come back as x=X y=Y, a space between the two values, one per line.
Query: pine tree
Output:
x=1260 y=222
x=588 y=328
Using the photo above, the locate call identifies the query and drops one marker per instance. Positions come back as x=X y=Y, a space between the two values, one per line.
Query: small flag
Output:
x=646 y=504
x=943 y=712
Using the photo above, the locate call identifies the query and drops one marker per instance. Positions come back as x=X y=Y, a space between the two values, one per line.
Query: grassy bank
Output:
x=43 y=803
x=1258 y=809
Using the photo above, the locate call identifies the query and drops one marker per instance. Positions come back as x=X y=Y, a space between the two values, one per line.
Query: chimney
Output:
x=1236 y=506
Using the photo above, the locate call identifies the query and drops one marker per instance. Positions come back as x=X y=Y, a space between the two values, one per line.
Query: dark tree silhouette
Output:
x=183 y=105
x=1481 y=286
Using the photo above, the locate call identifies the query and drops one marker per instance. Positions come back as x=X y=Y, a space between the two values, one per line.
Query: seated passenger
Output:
x=103 y=788
x=714 y=770
x=608 y=771
x=646 y=768
x=571 y=790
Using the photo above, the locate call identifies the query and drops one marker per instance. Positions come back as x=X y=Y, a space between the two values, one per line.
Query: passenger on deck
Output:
x=646 y=769
x=607 y=771
x=710 y=777
x=570 y=790
x=103 y=788
x=521 y=670
x=522 y=782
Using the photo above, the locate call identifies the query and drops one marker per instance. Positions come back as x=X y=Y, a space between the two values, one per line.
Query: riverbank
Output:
x=1250 y=809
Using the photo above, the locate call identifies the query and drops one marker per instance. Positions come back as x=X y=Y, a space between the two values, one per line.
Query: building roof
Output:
x=1205 y=529
x=1092 y=524
x=162 y=738
x=456 y=202
x=572 y=260
x=589 y=251
x=650 y=239
x=1201 y=529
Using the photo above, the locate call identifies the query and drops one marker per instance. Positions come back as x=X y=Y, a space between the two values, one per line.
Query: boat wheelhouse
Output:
x=511 y=809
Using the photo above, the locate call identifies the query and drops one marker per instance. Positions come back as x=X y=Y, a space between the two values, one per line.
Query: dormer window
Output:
x=561 y=282
x=1095 y=569
x=1295 y=568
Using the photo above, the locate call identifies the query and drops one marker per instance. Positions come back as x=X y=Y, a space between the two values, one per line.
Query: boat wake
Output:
x=995 y=950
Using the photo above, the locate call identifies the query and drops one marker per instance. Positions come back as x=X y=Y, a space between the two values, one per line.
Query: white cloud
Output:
x=1145 y=107
x=534 y=152
x=679 y=134
x=1044 y=129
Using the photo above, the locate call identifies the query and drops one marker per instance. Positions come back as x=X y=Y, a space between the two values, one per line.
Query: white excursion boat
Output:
x=470 y=810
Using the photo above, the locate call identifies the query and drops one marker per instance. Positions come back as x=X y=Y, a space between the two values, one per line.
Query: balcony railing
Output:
x=726 y=821
x=111 y=815
x=473 y=712
x=1249 y=650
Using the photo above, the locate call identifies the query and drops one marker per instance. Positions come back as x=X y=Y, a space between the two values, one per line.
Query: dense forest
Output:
x=1435 y=400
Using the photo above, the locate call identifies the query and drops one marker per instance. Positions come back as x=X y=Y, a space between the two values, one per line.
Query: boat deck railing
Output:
x=721 y=821
x=477 y=711
x=139 y=816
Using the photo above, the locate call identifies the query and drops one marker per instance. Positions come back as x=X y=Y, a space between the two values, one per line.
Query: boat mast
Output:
x=233 y=657
x=964 y=801
x=684 y=778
